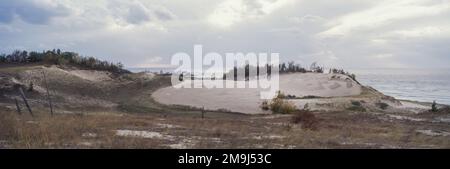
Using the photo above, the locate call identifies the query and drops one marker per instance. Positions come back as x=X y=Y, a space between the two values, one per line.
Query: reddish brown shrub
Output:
x=306 y=118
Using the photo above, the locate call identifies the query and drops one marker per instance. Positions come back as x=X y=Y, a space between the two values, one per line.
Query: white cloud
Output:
x=232 y=12
x=324 y=58
x=307 y=19
x=422 y=32
x=386 y=12
x=150 y=62
x=383 y=56
x=134 y=12
x=350 y=33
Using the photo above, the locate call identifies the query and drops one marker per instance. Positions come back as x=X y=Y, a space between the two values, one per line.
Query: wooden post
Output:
x=203 y=112
x=48 y=94
x=26 y=101
x=17 y=106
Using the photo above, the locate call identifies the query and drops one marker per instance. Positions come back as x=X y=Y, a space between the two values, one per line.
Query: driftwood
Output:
x=26 y=101
x=17 y=106
x=48 y=94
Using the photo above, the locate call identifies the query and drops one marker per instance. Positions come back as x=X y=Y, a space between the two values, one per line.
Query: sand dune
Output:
x=322 y=85
x=248 y=100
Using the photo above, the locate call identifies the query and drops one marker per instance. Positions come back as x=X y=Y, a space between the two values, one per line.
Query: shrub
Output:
x=291 y=96
x=356 y=103
x=310 y=97
x=434 y=107
x=265 y=105
x=280 y=106
x=382 y=105
x=356 y=106
x=307 y=119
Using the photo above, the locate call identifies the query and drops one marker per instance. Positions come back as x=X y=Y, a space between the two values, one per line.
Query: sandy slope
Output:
x=91 y=75
x=248 y=100
x=323 y=85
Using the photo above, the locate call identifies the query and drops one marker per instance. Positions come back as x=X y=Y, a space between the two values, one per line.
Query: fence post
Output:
x=48 y=94
x=26 y=101
x=17 y=106
x=203 y=112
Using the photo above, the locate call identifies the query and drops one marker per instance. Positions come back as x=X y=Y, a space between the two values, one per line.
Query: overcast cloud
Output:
x=339 y=33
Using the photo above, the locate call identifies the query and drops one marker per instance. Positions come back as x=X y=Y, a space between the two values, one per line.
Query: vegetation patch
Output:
x=57 y=57
x=356 y=106
x=306 y=118
x=310 y=97
x=278 y=105
x=265 y=105
x=356 y=103
x=382 y=105
x=434 y=107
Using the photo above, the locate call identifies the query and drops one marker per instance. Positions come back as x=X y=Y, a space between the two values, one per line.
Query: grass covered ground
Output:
x=215 y=130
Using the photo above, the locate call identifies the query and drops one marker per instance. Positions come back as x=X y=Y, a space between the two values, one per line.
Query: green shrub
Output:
x=356 y=103
x=356 y=106
x=382 y=105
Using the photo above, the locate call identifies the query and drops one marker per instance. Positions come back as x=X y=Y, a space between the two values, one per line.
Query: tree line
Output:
x=58 y=57
x=289 y=67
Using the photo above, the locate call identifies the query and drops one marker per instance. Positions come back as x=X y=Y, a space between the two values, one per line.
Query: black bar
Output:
x=277 y=158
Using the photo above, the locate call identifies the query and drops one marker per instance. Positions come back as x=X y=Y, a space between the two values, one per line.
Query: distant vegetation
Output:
x=434 y=107
x=289 y=67
x=57 y=57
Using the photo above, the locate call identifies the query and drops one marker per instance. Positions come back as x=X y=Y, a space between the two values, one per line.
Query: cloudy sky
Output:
x=339 y=33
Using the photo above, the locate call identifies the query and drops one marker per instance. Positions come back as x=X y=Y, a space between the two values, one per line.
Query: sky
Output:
x=146 y=33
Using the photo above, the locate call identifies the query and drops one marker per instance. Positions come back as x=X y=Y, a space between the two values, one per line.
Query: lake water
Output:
x=410 y=84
